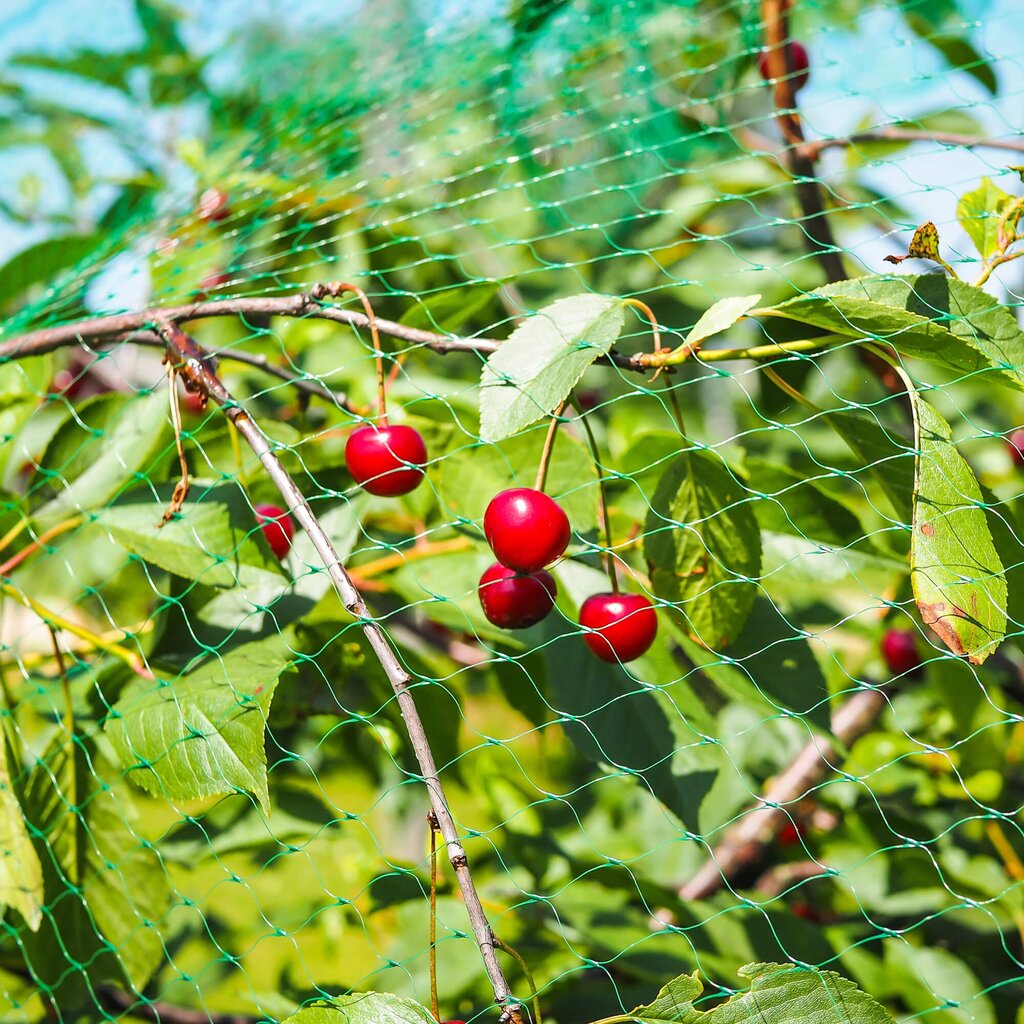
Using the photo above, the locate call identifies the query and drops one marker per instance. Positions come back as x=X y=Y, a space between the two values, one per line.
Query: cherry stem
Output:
x=378 y=355
x=534 y=1001
x=609 y=561
x=44 y=538
x=434 y=1005
x=549 y=444
x=649 y=313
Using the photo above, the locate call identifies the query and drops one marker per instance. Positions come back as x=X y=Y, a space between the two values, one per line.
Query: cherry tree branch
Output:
x=820 y=241
x=199 y=371
x=814 y=148
x=299 y=381
x=121 y=1002
x=744 y=841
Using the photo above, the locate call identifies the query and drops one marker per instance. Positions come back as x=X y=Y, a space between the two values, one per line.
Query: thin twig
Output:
x=813 y=149
x=300 y=382
x=820 y=241
x=744 y=842
x=54 y=621
x=122 y=1002
x=435 y=1006
x=197 y=369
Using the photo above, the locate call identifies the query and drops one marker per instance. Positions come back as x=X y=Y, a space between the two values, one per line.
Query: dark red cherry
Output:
x=526 y=529
x=620 y=627
x=899 y=649
x=513 y=600
x=213 y=205
x=277 y=527
x=799 y=62
x=386 y=460
x=1015 y=446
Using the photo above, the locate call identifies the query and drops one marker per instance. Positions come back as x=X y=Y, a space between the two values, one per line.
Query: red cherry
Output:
x=526 y=529
x=621 y=626
x=387 y=460
x=277 y=527
x=193 y=402
x=899 y=649
x=789 y=834
x=799 y=62
x=515 y=601
x=1015 y=446
x=213 y=205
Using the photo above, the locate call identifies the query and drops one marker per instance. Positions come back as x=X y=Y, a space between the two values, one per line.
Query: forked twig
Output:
x=196 y=368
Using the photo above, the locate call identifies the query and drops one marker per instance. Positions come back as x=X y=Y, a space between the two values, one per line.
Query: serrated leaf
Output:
x=214 y=539
x=87 y=466
x=202 y=733
x=958 y=580
x=534 y=371
x=926 y=316
x=106 y=891
x=778 y=994
x=21 y=874
x=980 y=212
x=720 y=317
x=363 y=1008
x=703 y=546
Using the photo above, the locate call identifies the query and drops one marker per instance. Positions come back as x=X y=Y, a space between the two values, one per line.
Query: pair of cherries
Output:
x=528 y=530
x=384 y=460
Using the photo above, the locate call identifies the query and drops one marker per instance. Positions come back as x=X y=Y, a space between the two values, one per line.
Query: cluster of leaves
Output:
x=261 y=743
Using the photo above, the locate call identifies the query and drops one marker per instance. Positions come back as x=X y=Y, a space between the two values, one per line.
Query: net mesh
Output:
x=208 y=798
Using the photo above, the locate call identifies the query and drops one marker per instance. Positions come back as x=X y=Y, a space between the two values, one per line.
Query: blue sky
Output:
x=880 y=71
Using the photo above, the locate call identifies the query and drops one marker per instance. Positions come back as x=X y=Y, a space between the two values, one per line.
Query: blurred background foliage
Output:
x=464 y=164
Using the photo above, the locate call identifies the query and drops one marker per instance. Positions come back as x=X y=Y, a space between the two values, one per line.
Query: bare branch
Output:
x=744 y=841
x=120 y=1002
x=305 y=304
x=813 y=149
x=195 y=365
x=297 y=380
x=137 y=327
x=820 y=241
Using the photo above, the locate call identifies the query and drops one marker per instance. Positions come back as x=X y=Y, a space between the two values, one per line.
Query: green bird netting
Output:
x=291 y=730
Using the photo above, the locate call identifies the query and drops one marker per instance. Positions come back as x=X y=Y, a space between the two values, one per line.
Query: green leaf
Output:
x=534 y=371
x=633 y=727
x=21 y=874
x=720 y=317
x=980 y=213
x=363 y=1008
x=469 y=477
x=905 y=312
x=106 y=891
x=959 y=51
x=937 y=985
x=201 y=734
x=885 y=454
x=987 y=333
x=778 y=994
x=102 y=450
x=42 y=262
x=446 y=311
x=770 y=668
x=959 y=582
x=213 y=539
x=703 y=547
